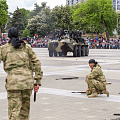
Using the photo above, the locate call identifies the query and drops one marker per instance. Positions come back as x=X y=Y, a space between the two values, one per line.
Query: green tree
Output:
x=18 y=19
x=67 y=21
x=37 y=9
x=39 y=24
x=97 y=13
x=118 y=26
x=3 y=13
x=61 y=17
x=26 y=33
x=25 y=14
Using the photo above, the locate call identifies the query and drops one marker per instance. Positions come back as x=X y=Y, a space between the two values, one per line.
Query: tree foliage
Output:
x=3 y=12
x=89 y=16
x=47 y=20
x=18 y=19
x=26 y=33
x=25 y=14
x=118 y=20
x=39 y=24
x=98 y=13
x=37 y=9
x=61 y=17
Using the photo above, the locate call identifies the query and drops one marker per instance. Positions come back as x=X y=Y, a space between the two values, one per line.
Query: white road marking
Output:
x=67 y=93
x=5 y=118
x=69 y=69
x=61 y=92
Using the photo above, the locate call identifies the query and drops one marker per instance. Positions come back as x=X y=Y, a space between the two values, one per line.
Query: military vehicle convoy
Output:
x=68 y=43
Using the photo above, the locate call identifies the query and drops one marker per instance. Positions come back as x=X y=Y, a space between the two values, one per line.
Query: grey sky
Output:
x=29 y=4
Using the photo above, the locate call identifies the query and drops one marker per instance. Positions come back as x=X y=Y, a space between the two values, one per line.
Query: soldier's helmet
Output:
x=72 y=31
x=75 y=30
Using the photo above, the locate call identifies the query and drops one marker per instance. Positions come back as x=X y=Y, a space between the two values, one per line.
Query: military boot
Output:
x=88 y=92
x=94 y=93
x=100 y=92
x=106 y=92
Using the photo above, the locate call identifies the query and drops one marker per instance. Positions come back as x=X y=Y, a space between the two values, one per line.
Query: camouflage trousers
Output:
x=94 y=84
x=19 y=104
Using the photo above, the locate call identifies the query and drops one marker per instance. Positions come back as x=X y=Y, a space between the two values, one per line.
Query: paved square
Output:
x=55 y=100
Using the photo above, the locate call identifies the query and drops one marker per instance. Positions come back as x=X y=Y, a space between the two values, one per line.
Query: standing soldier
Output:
x=96 y=80
x=17 y=56
x=72 y=34
x=61 y=33
x=55 y=34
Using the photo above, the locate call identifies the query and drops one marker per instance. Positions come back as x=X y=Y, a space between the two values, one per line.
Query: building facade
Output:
x=116 y=5
x=71 y=2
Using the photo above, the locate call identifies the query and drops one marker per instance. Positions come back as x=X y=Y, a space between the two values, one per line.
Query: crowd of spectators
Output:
x=96 y=43
x=39 y=43
x=99 y=43
x=3 y=41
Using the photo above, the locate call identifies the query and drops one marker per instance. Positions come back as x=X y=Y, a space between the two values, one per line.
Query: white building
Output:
x=116 y=5
x=71 y=2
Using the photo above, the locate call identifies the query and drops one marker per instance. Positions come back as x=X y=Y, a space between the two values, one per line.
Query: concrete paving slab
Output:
x=55 y=100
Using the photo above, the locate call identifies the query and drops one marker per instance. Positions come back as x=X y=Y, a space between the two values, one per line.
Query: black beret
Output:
x=92 y=61
x=13 y=32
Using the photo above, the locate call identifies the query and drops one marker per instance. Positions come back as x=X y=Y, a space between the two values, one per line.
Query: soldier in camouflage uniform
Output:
x=17 y=57
x=96 y=80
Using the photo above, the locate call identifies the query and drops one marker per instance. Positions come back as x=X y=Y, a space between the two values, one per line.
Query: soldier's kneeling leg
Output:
x=98 y=85
x=90 y=84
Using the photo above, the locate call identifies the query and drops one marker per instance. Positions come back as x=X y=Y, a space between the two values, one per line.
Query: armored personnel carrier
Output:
x=60 y=47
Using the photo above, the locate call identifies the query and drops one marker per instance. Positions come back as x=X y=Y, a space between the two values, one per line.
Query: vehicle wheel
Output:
x=86 y=51
x=60 y=53
x=55 y=54
x=50 y=53
x=83 y=51
x=79 y=51
x=75 y=51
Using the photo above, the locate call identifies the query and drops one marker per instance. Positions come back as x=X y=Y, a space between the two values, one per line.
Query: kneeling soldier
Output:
x=96 y=80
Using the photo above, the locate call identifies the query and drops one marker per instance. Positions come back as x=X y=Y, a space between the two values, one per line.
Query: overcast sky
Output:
x=29 y=4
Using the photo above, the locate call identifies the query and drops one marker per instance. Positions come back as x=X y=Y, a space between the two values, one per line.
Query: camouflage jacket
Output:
x=97 y=74
x=17 y=65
